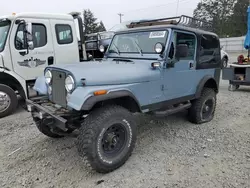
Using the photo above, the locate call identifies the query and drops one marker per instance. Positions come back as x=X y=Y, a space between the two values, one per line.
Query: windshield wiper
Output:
x=116 y=49
x=138 y=47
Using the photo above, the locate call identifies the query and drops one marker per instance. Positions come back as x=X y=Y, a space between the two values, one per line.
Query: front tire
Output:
x=107 y=138
x=8 y=100
x=203 y=108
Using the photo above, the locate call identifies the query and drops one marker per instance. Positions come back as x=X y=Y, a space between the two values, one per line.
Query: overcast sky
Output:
x=106 y=10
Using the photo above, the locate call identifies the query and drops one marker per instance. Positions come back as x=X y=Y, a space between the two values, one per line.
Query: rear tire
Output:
x=8 y=100
x=107 y=138
x=203 y=108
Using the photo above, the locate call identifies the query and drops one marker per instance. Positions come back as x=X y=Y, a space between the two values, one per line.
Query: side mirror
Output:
x=31 y=45
x=181 y=51
x=28 y=28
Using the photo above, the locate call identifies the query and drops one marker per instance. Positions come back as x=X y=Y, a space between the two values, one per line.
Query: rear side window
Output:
x=64 y=34
x=210 y=49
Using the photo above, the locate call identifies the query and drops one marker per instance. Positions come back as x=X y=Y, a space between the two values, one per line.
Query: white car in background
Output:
x=224 y=58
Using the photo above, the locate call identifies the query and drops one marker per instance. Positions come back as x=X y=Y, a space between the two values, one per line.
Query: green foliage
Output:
x=229 y=17
x=101 y=27
x=90 y=23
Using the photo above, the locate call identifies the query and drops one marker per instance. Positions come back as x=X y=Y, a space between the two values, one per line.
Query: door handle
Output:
x=50 y=60
x=191 y=65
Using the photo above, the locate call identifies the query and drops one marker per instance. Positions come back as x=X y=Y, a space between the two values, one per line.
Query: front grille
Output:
x=58 y=88
x=91 y=45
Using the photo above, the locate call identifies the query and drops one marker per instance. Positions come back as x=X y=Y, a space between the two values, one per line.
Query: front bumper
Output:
x=41 y=108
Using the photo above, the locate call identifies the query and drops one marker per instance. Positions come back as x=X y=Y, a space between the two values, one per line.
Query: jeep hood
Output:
x=111 y=72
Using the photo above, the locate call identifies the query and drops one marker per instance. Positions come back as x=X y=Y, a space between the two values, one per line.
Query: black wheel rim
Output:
x=207 y=109
x=114 y=140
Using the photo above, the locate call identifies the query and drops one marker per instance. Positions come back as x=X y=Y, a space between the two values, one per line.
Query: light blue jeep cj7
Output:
x=156 y=66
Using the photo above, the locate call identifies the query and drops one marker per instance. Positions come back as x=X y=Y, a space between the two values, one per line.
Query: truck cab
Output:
x=29 y=42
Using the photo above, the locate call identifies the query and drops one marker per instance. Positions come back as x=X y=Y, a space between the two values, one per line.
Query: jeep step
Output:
x=172 y=110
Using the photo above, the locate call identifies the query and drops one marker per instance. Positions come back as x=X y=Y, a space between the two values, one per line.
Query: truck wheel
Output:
x=203 y=108
x=107 y=138
x=8 y=100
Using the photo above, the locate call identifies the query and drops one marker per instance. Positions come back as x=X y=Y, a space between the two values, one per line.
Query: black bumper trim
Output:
x=62 y=121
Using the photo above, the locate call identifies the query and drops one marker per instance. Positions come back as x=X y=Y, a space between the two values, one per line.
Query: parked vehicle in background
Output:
x=155 y=67
x=29 y=42
x=97 y=43
x=224 y=58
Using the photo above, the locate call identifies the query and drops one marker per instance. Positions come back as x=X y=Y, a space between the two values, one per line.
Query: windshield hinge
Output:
x=162 y=87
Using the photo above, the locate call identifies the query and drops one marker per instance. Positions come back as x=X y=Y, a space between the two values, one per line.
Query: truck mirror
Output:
x=29 y=28
x=29 y=36
x=31 y=45
x=181 y=51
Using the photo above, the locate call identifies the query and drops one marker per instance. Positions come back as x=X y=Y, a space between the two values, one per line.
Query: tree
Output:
x=218 y=12
x=89 y=22
x=101 y=27
x=239 y=18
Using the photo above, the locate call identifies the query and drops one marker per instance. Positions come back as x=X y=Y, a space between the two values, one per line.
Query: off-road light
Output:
x=101 y=48
x=159 y=48
x=69 y=84
x=48 y=76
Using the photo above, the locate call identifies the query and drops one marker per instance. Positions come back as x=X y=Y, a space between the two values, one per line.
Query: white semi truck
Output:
x=28 y=43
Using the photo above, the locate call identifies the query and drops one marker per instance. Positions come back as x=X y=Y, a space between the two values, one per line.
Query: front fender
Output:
x=83 y=98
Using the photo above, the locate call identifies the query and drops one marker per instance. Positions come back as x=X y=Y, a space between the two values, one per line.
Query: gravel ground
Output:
x=170 y=152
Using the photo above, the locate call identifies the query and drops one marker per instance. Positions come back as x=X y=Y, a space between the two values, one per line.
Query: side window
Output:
x=39 y=36
x=64 y=34
x=189 y=40
x=210 y=49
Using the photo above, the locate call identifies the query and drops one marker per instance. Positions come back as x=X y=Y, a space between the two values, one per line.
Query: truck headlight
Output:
x=69 y=84
x=48 y=76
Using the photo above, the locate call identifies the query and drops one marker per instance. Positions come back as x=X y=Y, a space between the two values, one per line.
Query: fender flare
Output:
x=91 y=101
x=202 y=84
x=18 y=79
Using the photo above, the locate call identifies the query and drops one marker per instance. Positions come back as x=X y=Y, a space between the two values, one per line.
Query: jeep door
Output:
x=31 y=65
x=179 y=79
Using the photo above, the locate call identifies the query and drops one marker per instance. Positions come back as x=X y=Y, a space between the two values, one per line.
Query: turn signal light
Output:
x=100 y=92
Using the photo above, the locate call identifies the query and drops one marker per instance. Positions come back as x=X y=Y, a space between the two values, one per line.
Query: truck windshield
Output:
x=4 y=29
x=137 y=42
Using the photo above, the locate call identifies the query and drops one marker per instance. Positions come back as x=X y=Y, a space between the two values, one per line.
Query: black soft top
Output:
x=165 y=27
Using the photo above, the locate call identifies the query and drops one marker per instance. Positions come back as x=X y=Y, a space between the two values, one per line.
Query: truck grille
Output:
x=91 y=45
x=58 y=88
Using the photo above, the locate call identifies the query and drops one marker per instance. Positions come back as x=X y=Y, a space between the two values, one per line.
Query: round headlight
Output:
x=48 y=76
x=101 y=48
x=69 y=83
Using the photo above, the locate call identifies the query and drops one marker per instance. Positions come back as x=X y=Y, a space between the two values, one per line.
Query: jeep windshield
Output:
x=4 y=29
x=140 y=43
